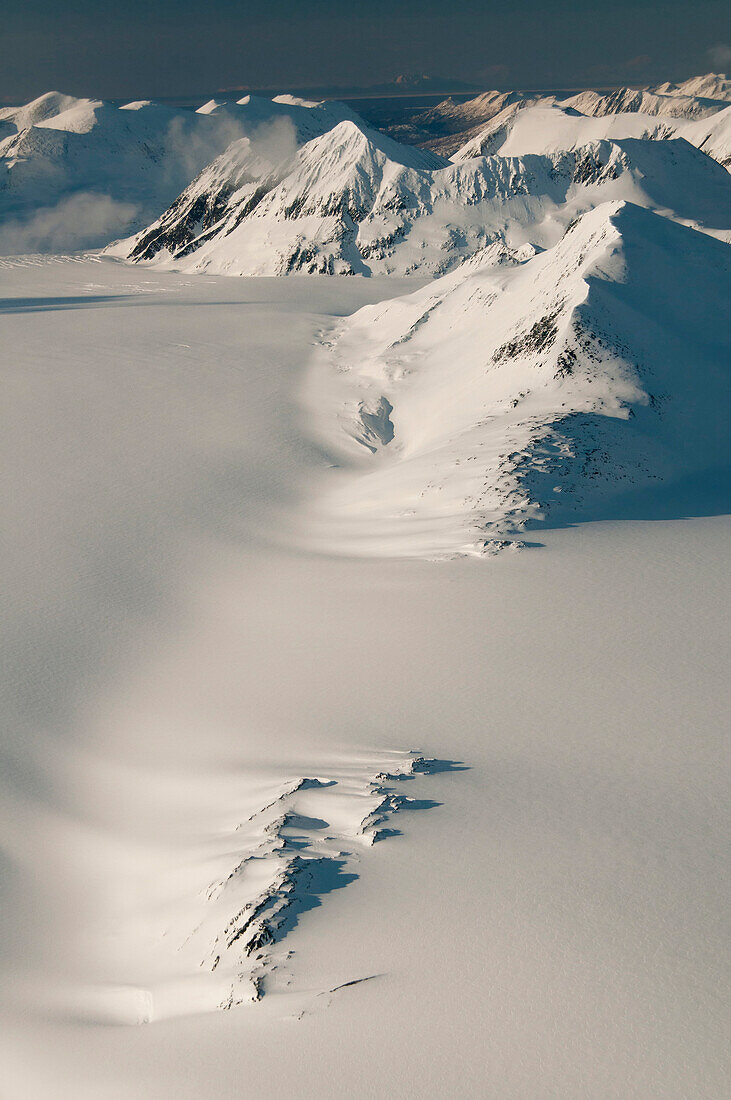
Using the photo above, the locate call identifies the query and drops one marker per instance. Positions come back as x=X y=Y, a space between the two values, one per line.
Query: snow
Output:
x=354 y=202
x=553 y=927
x=133 y=160
x=446 y=127
x=550 y=127
x=547 y=389
x=364 y=640
x=711 y=85
x=449 y=125
x=130 y=163
x=310 y=118
x=46 y=108
x=642 y=102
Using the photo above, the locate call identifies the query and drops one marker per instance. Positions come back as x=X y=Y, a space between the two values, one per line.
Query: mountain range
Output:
x=534 y=375
x=450 y=125
x=129 y=161
x=352 y=201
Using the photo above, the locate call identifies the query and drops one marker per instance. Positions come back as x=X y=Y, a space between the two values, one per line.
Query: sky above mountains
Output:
x=118 y=48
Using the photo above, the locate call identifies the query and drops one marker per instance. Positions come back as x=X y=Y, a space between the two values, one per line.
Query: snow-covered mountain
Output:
x=243 y=216
x=494 y=398
x=63 y=159
x=710 y=85
x=642 y=102
x=548 y=127
x=444 y=128
x=80 y=172
x=222 y=690
x=712 y=135
x=354 y=202
x=48 y=106
x=449 y=125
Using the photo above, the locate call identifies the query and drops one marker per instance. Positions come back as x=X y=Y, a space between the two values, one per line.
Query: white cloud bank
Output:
x=84 y=220
x=720 y=54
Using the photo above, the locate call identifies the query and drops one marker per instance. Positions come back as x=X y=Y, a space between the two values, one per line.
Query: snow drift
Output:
x=209 y=929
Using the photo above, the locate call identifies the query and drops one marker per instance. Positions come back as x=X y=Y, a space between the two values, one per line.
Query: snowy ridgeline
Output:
x=556 y=387
x=76 y=173
x=210 y=931
x=354 y=201
x=449 y=126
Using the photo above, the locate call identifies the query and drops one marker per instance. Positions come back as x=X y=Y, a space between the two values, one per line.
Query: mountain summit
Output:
x=552 y=390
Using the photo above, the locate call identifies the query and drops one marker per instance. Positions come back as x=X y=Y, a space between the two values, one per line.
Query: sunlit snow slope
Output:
x=547 y=126
x=249 y=627
x=550 y=920
x=545 y=390
x=355 y=202
x=77 y=173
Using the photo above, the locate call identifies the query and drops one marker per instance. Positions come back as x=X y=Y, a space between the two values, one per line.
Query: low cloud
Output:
x=92 y=219
x=498 y=71
x=720 y=55
x=275 y=142
x=84 y=220
x=191 y=148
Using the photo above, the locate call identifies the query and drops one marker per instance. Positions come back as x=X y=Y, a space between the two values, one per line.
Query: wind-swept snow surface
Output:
x=308 y=785
x=174 y=663
x=200 y=919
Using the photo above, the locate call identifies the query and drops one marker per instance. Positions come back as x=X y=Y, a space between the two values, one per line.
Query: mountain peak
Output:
x=549 y=389
x=45 y=108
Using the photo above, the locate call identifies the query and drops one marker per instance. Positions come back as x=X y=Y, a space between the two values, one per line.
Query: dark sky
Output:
x=148 y=48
